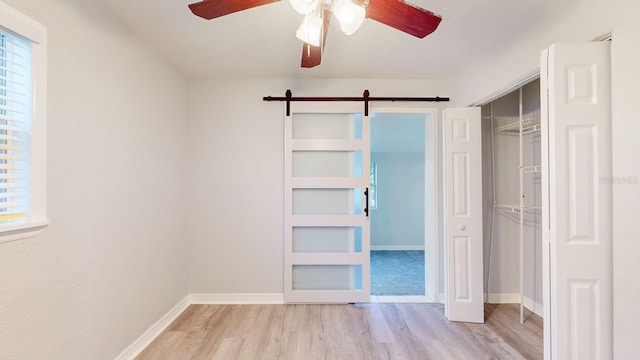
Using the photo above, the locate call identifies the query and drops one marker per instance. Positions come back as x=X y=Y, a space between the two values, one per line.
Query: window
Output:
x=373 y=186
x=22 y=125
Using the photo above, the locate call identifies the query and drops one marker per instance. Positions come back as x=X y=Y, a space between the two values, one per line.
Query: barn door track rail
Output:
x=366 y=98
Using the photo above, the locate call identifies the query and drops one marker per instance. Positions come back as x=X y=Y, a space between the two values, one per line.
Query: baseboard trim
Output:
x=154 y=331
x=533 y=306
x=515 y=299
x=396 y=247
x=502 y=298
x=236 y=299
x=401 y=299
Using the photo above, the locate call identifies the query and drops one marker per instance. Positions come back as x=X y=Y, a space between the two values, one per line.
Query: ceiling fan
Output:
x=398 y=14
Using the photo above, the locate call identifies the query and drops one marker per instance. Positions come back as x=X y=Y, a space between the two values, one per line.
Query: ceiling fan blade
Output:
x=312 y=55
x=404 y=17
x=210 y=9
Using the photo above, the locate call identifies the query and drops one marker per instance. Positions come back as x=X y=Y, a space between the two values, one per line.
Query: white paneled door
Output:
x=326 y=180
x=577 y=233
x=464 y=276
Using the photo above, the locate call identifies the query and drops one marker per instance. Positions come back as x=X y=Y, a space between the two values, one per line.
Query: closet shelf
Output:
x=517 y=209
x=531 y=169
x=526 y=122
x=529 y=126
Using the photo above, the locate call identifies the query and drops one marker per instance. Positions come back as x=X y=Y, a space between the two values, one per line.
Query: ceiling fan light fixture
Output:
x=350 y=15
x=398 y=14
x=311 y=29
x=304 y=7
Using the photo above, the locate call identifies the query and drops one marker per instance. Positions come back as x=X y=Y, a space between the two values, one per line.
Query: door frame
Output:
x=433 y=241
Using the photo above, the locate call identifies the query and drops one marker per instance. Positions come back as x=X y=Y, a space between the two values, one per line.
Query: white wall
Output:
x=236 y=177
x=399 y=221
x=113 y=261
x=500 y=67
x=585 y=20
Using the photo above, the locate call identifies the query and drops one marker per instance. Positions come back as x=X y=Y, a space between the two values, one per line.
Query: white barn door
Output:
x=464 y=275
x=326 y=230
x=577 y=233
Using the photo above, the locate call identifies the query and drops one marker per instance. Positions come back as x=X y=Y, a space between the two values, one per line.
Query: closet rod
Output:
x=365 y=98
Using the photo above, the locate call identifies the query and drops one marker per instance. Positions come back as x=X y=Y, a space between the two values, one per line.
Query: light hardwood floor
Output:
x=367 y=331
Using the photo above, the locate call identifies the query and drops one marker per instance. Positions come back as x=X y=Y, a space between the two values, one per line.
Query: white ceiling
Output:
x=261 y=42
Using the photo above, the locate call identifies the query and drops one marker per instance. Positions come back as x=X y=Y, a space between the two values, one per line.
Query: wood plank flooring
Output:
x=364 y=331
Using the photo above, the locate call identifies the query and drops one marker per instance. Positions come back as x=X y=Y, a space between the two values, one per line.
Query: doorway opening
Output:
x=402 y=196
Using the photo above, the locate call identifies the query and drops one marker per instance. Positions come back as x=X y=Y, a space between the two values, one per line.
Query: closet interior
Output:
x=512 y=199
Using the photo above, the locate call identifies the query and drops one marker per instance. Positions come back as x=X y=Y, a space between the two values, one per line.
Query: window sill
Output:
x=15 y=232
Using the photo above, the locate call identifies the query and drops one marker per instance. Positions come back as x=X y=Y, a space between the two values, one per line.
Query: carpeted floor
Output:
x=397 y=272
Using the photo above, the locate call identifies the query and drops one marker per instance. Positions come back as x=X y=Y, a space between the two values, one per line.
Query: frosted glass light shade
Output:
x=304 y=7
x=349 y=15
x=311 y=29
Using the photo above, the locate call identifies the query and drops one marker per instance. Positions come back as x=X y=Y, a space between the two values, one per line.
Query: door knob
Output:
x=462 y=227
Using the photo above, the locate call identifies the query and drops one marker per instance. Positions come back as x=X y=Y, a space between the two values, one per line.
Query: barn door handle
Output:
x=366 y=201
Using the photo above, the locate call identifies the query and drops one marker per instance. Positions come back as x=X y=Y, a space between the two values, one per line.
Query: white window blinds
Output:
x=15 y=126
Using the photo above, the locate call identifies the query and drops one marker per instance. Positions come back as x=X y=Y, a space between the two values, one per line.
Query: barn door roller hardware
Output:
x=364 y=98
